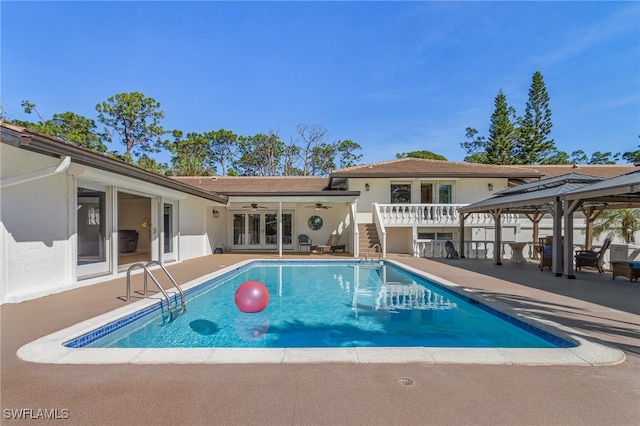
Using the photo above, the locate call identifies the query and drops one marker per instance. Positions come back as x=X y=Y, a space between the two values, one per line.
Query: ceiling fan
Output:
x=253 y=206
x=318 y=206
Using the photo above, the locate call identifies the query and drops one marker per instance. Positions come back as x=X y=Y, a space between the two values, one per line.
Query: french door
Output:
x=259 y=230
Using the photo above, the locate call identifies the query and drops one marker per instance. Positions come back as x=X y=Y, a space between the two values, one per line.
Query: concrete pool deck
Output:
x=604 y=311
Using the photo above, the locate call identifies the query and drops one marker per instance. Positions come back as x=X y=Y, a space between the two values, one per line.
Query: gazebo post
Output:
x=497 y=248
x=569 y=208
x=557 y=237
x=462 y=218
x=535 y=218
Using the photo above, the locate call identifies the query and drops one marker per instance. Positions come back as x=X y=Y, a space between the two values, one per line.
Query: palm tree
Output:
x=621 y=222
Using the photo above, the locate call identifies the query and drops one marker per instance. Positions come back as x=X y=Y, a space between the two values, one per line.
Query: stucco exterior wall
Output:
x=193 y=241
x=465 y=190
x=35 y=228
x=38 y=224
x=334 y=220
x=399 y=240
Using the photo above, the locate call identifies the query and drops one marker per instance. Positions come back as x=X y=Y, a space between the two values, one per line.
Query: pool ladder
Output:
x=366 y=256
x=147 y=272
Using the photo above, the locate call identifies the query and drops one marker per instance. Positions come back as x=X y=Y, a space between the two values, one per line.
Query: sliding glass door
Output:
x=169 y=236
x=91 y=230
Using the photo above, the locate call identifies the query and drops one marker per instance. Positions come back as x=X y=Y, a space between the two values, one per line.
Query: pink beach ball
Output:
x=252 y=296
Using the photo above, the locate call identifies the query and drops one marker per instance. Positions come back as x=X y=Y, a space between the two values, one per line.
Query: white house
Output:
x=71 y=217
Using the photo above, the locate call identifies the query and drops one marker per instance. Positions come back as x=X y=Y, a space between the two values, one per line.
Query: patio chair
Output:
x=592 y=258
x=546 y=253
x=304 y=241
x=333 y=241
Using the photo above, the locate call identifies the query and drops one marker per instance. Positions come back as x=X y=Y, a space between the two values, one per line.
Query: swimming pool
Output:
x=74 y=345
x=324 y=304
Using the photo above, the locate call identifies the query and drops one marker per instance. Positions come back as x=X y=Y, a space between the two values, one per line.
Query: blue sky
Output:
x=391 y=76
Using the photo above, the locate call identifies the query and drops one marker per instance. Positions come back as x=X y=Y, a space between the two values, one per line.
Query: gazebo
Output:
x=560 y=196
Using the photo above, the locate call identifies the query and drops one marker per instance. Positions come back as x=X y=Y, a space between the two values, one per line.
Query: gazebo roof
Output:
x=534 y=196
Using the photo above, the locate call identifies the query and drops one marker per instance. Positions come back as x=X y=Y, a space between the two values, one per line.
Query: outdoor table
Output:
x=516 y=252
x=322 y=248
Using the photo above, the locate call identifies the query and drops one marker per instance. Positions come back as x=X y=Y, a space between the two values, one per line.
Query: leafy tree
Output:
x=153 y=166
x=223 y=145
x=427 y=155
x=533 y=145
x=271 y=149
x=310 y=136
x=261 y=155
x=475 y=147
x=68 y=126
x=557 y=157
x=290 y=154
x=346 y=150
x=30 y=107
x=604 y=157
x=322 y=159
x=632 y=156
x=621 y=222
x=580 y=157
x=190 y=155
x=136 y=119
x=78 y=130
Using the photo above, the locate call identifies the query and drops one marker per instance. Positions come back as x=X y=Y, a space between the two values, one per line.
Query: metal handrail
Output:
x=146 y=269
x=366 y=256
x=175 y=284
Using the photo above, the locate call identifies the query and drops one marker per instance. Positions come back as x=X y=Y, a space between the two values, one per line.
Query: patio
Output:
x=604 y=310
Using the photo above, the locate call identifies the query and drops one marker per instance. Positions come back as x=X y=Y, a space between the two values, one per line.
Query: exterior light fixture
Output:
x=145 y=222
x=216 y=213
x=490 y=186
x=366 y=186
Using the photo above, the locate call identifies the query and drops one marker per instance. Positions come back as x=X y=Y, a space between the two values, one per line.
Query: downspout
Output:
x=38 y=174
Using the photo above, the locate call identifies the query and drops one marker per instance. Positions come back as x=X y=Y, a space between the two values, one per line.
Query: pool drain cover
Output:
x=404 y=381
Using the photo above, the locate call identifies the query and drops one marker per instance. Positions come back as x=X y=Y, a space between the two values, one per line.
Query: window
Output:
x=400 y=193
x=435 y=236
x=445 y=194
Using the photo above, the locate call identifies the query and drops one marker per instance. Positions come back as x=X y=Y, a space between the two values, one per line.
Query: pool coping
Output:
x=50 y=349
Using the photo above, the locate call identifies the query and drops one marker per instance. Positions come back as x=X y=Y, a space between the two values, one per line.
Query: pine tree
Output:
x=502 y=133
x=535 y=126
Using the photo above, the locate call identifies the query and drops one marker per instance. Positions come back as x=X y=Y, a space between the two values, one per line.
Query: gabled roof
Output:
x=30 y=140
x=418 y=167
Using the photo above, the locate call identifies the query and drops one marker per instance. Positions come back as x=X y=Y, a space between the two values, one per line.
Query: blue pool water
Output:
x=329 y=304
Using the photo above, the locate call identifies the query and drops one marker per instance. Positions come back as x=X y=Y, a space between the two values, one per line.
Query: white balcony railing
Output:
x=434 y=214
